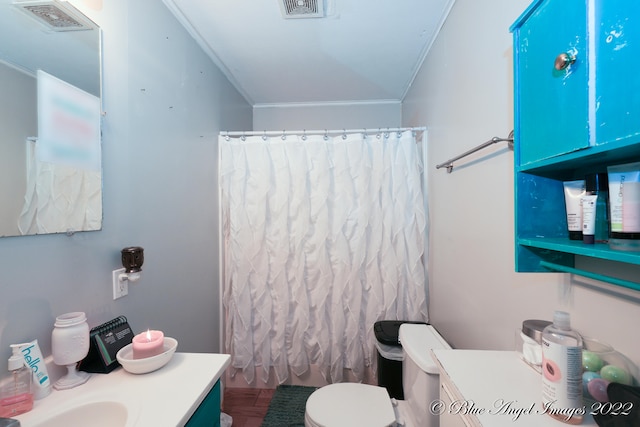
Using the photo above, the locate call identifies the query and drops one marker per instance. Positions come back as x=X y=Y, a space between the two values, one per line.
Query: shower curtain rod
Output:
x=318 y=132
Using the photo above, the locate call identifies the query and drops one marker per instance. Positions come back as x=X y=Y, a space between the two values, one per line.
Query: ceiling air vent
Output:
x=302 y=8
x=55 y=15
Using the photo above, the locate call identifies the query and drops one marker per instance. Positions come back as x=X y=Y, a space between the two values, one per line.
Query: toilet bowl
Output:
x=354 y=405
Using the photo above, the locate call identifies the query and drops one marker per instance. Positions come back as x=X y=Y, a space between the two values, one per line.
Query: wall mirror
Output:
x=56 y=38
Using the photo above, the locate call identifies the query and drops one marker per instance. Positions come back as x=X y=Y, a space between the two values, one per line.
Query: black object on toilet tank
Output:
x=390 y=355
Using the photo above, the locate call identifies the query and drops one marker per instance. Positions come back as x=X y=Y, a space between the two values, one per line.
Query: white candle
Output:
x=148 y=344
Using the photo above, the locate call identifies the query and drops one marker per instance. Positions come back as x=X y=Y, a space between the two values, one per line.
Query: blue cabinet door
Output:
x=551 y=104
x=617 y=45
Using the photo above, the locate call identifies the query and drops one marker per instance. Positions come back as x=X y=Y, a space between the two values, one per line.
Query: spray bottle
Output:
x=15 y=391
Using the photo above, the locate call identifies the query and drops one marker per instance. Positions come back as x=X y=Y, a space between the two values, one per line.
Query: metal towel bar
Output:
x=449 y=163
x=613 y=280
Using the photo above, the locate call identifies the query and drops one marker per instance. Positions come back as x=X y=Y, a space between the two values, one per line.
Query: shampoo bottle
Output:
x=562 y=370
x=15 y=391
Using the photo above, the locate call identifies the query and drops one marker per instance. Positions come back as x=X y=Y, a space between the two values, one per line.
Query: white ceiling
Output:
x=361 y=51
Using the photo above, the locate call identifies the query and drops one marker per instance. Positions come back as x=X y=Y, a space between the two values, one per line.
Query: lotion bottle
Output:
x=562 y=370
x=598 y=184
x=15 y=391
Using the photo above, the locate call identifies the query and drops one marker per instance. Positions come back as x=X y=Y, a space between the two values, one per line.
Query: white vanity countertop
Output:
x=490 y=378
x=166 y=397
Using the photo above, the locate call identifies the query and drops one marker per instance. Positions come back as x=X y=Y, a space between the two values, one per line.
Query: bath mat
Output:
x=287 y=406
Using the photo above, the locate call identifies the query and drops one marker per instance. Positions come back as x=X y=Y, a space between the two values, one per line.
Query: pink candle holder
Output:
x=148 y=344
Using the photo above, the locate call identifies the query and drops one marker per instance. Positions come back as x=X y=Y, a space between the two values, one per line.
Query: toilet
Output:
x=354 y=404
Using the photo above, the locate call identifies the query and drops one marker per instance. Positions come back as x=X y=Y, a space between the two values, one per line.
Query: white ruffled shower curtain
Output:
x=323 y=236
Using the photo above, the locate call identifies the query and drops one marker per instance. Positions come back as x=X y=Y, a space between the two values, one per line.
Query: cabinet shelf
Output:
x=598 y=250
x=563 y=167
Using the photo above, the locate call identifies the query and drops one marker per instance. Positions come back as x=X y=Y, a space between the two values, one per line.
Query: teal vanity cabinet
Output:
x=577 y=111
x=208 y=413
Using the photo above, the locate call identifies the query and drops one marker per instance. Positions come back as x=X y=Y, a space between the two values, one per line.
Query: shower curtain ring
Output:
x=304 y=134
x=264 y=136
x=284 y=136
x=344 y=134
x=326 y=135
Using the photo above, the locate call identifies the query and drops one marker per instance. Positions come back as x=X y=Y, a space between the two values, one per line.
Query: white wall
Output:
x=464 y=95
x=165 y=104
x=327 y=116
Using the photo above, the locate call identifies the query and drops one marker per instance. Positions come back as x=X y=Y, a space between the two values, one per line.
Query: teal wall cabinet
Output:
x=577 y=111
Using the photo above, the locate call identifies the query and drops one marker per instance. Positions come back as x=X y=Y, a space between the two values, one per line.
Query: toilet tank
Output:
x=420 y=376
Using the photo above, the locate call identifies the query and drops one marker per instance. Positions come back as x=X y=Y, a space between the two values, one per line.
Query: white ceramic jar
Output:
x=70 y=338
x=69 y=345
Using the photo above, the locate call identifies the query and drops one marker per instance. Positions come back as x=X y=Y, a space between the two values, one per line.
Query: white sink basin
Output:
x=95 y=414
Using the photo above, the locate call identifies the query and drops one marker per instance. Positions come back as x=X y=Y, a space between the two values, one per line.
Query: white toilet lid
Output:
x=350 y=405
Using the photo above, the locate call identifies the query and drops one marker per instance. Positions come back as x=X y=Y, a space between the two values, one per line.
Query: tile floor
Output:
x=247 y=406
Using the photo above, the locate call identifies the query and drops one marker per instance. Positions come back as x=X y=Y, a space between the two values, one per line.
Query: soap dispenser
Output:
x=15 y=391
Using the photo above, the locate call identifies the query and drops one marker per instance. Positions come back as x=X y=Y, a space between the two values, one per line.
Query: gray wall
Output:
x=464 y=95
x=165 y=103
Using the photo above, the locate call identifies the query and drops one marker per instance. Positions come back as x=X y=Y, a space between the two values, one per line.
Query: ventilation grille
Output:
x=56 y=15
x=302 y=8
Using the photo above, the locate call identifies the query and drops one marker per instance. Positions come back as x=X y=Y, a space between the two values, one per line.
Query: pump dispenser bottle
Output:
x=562 y=370
x=15 y=391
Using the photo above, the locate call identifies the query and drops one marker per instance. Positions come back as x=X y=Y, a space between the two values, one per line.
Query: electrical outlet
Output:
x=120 y=287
